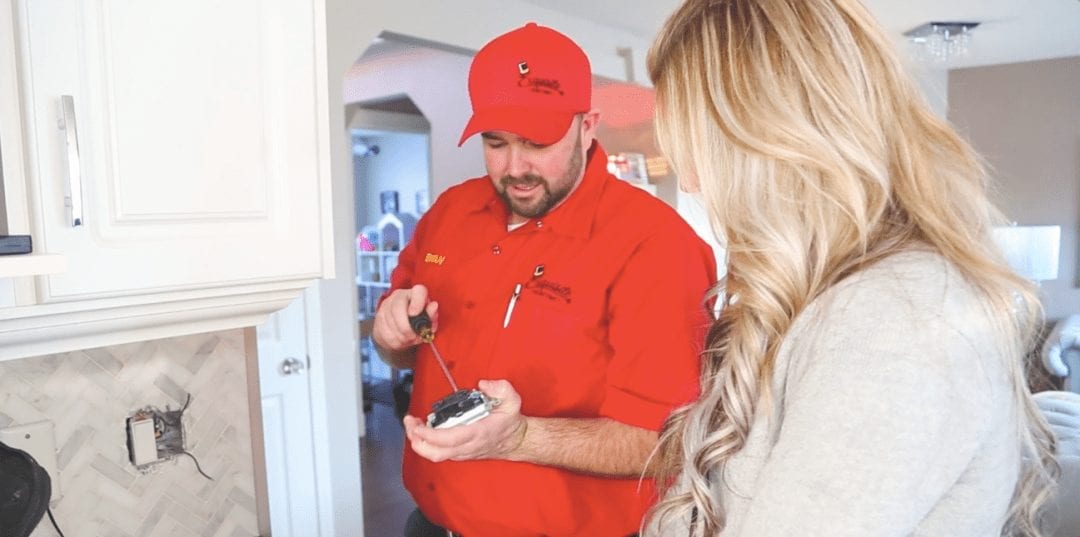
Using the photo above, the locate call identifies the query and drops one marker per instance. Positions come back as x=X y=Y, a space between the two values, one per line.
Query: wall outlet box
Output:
x=169 y=432
x=142 y=444
x=39 y=441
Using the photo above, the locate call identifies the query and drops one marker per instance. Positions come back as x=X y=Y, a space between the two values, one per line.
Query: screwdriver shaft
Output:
x=442 y=364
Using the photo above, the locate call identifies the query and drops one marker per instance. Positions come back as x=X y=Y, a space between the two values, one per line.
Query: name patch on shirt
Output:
x=435 y=259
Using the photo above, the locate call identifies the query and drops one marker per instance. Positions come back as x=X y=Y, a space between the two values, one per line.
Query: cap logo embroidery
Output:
x=435 y=259
x=547 y=86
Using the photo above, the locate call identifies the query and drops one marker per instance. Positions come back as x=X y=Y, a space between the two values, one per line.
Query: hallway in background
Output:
x=386 y=503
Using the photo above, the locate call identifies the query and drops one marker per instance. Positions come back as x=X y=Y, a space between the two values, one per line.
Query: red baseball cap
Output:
x=531 y=81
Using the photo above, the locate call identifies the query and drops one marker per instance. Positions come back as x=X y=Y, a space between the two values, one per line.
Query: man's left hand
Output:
x=496 y=436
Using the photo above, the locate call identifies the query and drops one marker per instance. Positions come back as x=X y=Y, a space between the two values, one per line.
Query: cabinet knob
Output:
x=291 y=366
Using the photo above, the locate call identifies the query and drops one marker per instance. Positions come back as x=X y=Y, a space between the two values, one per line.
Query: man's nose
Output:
x=518 y=164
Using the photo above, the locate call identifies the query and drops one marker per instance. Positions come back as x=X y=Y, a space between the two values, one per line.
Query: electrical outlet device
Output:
x=460 y=408
x=142 y=446
x=154 y=435
x=39 y=441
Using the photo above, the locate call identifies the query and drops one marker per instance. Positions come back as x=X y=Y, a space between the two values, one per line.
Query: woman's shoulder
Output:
x=918 y=285
x=912 y=304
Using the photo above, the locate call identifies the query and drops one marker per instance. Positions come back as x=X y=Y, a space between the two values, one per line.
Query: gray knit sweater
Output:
x=892 y=415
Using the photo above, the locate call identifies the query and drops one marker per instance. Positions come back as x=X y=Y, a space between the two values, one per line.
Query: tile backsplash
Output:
x=87 y=395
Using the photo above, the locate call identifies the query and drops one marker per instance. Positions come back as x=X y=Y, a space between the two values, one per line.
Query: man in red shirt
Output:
x=573 y=298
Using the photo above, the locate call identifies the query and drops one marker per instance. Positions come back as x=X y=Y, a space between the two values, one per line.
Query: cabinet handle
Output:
x=73 y=197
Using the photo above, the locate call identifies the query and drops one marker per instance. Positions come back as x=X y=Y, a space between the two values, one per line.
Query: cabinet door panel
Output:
x=198 y=144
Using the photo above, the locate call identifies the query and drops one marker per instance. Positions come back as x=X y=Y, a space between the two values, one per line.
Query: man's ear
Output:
x=590 y=121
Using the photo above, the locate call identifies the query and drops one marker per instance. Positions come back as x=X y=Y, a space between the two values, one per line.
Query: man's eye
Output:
x=534 y=145
x=495 y=144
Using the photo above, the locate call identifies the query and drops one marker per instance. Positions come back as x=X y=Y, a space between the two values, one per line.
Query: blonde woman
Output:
x=865 y=377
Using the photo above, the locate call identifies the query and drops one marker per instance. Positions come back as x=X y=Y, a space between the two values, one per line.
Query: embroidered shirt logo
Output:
x=550 y=290
x=434 y=259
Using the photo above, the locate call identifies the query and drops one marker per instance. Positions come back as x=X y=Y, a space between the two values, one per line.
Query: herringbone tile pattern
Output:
x=88 y=395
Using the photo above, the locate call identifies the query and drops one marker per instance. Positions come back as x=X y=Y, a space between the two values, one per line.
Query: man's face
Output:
x=532 y=178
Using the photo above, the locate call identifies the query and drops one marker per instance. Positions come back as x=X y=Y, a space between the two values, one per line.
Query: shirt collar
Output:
x=575 y=216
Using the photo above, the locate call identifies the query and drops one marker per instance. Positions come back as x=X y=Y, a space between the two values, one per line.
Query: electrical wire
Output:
x=197 y=466
x=53 y=520
x=179 y=415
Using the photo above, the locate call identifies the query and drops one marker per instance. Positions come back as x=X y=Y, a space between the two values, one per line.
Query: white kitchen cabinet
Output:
x=175 y=154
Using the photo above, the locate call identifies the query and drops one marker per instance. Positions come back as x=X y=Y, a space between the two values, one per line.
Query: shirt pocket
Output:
x=555 y=356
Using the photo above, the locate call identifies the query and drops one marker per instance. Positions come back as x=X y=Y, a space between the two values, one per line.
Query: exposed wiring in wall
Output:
x=197 y=466
x=177 y=447
x=168 y=434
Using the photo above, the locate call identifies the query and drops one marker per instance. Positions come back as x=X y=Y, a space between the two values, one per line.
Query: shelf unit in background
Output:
x=373 y=268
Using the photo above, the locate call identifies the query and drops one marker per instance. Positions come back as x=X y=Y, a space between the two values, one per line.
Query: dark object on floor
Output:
x=402 y=395
x=378 y=392
x=403 y=392
x=367 y=398
x=24 y=492
x=419 y=526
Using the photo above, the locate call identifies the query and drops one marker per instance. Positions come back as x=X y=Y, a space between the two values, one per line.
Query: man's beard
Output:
x=551 y=197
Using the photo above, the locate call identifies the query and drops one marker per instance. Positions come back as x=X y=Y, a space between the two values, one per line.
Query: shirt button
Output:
x=539 y=223
x=470 y=305
x=496 y=250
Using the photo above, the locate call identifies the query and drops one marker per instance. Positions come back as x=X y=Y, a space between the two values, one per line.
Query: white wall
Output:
x=695 y=214
x=332 y=306
x=436 y=81
x=469 y=24
x=934 y=84
x=3 y=200
x=1024 y=118
x=401 y=165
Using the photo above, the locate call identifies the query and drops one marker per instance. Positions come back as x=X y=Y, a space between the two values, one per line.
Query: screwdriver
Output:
x=421 y=324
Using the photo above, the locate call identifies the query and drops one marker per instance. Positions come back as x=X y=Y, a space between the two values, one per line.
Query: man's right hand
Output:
x=392 y=331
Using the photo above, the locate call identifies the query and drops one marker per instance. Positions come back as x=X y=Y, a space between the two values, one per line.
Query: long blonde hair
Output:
x=816 y=156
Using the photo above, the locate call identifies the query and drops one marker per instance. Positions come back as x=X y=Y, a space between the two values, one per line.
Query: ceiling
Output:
x=1012 y=30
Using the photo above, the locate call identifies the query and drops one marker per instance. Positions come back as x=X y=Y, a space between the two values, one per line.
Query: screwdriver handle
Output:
x=421 y=324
